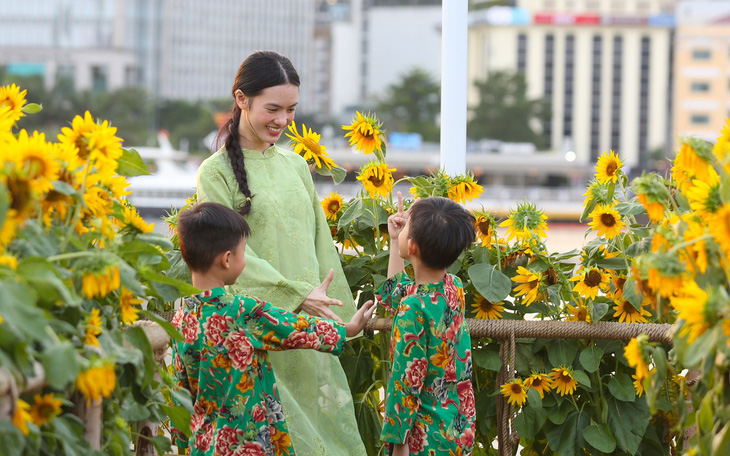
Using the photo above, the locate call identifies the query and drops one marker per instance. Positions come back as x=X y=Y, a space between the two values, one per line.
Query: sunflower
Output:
x=599 y=193
x=129 y=303
x=93 y=328
x=692 y=162
x=653 y=195
x=9 y=260
x=607 y=221
x=486 y=310
x=626 y=312
x=563 y=381
x=77 y=134
x=307 y=145
x=540 y=383
x=132 y=219
x=484 y=225
x=34 y=160
x=464 y=188
x=100 y=284
x=105 y=147
x=692 y=304
x=638 y=384
x=332 y=205
x=720 y=227
x=13 y=98
x=704 y=196
x=530 y=287
x=526 y=221
x=694 y=257
x=590 y=281
x=579 y=312
x=721 y=150
x=365 y=133
x=665 y=282
x=634 y=354
x=97 y=382
x=44 y=408
x=22 y=416
x=377 y=179
x=608 y=167
x=515 y=392
x=97 y=201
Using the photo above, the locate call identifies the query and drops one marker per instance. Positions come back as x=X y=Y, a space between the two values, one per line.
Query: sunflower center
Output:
x=333 y=207
x=486 y=306
x=83 y=147
x=629 y=308
x=536 y=383
x=582 y=314
x=377 y=180
x=366 y=130
x=516 y=389
x=608 y=220
x=593 y=279
x=36 y=167
x=483 y=227
x=19 y=194
x=312 y=146
x=611 y=168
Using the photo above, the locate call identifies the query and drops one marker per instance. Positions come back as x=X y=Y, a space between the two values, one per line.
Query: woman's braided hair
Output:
x=260 y=70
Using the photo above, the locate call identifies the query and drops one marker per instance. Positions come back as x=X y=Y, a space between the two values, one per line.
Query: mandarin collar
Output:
x=258 y=155
x=211 y=294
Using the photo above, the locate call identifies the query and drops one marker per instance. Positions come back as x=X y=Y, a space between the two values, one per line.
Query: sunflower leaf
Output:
x=490 y=282
x=32 y=108
x=599 y=437
x=622 y=388
x=131 y=164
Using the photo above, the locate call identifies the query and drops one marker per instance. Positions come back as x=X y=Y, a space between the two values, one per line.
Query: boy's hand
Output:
x=317 y=303
x=397 y=221
x=360 y=319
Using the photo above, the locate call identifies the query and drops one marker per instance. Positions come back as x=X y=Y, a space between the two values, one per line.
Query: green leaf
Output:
x=46 y=280
x=32 y=108
x=622 y=388
x=133 y=411
x=60 y=364
x=338 y=174
x=632 y=294
x=490 y=282
x=157 y=239
x=179 y=417
x=11 y=439
x=530 y=422
x=161 y=443
x=643 y=245
x=587 y=210
x=558 y=414
x=177 y=288
x=697 y=351
x=562 y=352
x=629 y=208
x=487 y=358
x=534 y=399
x=18 y=308
x=131 y=164
x=4 y=202
x=358 y=365
x=582 y=378
x=612 y=263
x=627 y=422
x=590 y=358
x=600 y=437
x=706 y=415
x=564 y=440
x=352 y=213
x=598 y=310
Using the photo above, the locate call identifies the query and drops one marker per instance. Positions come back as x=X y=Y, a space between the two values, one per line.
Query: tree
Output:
x=505 y=113
x=412 y=105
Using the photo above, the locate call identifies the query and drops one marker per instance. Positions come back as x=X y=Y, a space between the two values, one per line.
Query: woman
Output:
x=291 y=260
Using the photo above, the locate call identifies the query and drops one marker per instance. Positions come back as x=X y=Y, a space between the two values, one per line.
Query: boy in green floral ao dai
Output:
x=430 y=400
x=223 y=360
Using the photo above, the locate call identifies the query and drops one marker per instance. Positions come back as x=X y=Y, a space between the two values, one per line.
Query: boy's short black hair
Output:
x=442 y=229
x=206 y=230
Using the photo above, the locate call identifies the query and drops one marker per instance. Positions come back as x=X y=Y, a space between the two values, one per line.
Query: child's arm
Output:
x=360 y=319
x=396 y=223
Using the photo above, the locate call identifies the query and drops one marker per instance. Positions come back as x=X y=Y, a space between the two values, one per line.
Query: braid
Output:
x=235 y=155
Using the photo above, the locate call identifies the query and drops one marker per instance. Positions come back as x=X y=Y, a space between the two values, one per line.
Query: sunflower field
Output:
x=78 y=268
x=658 y=255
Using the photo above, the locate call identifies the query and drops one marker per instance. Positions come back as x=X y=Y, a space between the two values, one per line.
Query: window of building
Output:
x=98 y=78
x=700 y=119
x=701 y=54
x=700 y=87
x=521 y=52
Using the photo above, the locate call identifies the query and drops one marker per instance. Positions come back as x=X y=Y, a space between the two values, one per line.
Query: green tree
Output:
x=412 y=105
x=183 y=119
x=505 y=112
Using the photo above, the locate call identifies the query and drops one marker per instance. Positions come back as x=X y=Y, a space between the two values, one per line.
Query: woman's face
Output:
x=265 y=116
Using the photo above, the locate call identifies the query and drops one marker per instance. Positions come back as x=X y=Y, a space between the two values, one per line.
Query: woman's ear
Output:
x=241 y=99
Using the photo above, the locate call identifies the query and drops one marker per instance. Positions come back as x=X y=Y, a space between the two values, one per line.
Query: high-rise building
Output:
x=702 y=68
x=180 y=49
x=605 y=67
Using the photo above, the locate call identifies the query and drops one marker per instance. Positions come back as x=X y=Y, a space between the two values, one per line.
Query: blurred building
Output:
x=181 y=49
x=702 y=68
x=604 y=66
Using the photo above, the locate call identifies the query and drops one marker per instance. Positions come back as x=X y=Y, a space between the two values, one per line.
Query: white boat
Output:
x=172 y=181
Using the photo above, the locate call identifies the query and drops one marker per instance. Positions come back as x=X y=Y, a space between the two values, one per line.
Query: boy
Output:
x=430 y=401
x=223 y=360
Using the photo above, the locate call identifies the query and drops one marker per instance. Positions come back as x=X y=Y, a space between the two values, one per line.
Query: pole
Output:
x=454 y=41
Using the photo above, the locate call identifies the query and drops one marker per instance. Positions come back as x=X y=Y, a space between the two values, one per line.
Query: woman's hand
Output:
x=360 y=319
x=317 y=303
x=397 y=221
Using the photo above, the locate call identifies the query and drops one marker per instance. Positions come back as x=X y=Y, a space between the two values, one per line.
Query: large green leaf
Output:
x=11 y=440
x=4 y=202
x=358 y=365
x=18 y=308
x=338 y=174
x=60 y=364
x=530 y=421
x=567 y=439
x=600 y=437
x=562 y=352
x=627 y=422
x=352 y=213
x=179 y=417
x=488 y=358
x=46 y=280
x=590 y=358
x=131 y=164
x=622 y=388
x=490 y=282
